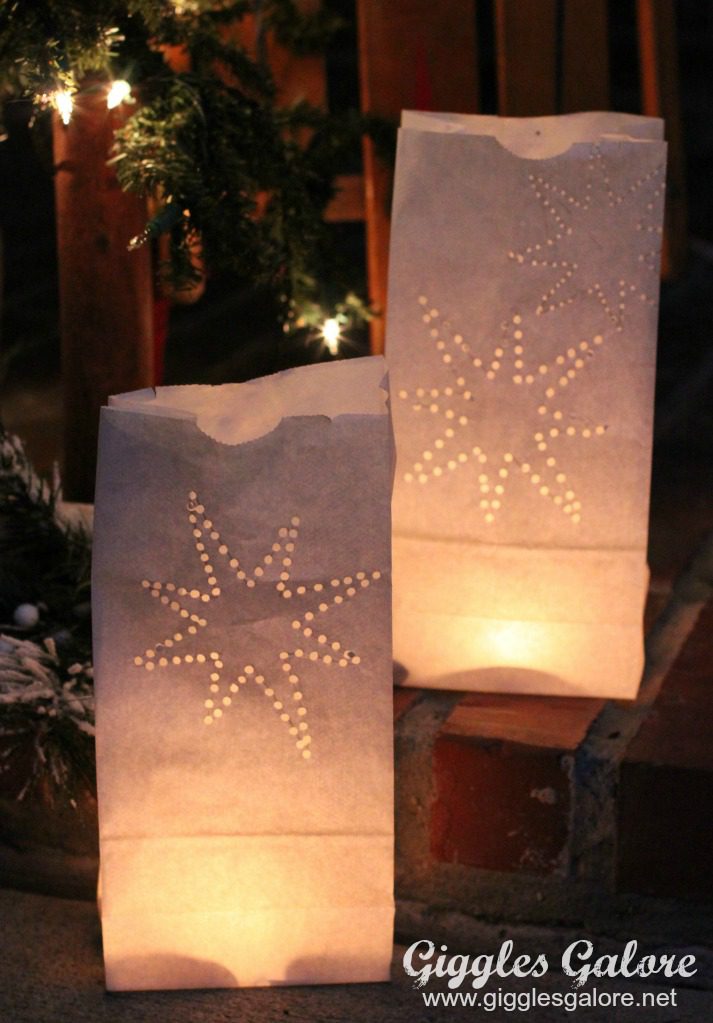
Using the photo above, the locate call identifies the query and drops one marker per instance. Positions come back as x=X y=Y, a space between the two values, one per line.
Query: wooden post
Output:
x=411 y=56
x=106 y=301
x=658 y=66
x=526 y=50
x=585 y=56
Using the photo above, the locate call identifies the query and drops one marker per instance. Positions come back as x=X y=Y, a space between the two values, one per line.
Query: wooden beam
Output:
x=348 y=202
x=585 y=56
x=658 y=65
x=526 y=45
x=410 y=57
x=106 y=294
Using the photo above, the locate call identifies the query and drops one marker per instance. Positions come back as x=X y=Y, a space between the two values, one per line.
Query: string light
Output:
x=63 y=102
x=119 y=91
x=331 y=335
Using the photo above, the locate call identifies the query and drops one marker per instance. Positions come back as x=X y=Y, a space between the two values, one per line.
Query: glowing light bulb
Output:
x=118 y=92
x=63 y=102
x=331 y=335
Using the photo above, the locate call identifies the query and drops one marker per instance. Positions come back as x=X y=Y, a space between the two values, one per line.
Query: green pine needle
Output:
x=211 y=142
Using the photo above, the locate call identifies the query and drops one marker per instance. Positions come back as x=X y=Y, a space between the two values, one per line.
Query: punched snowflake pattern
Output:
x=576 y=218
x=548 y=418
x=534 y=437
x=200 y=637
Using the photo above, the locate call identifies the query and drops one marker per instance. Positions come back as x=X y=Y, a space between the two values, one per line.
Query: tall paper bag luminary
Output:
x=523 y=292
x=243 y=671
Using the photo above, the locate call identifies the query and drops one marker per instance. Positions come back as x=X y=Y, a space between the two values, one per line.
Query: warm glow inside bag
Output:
x=243 y=673
x=523 y=295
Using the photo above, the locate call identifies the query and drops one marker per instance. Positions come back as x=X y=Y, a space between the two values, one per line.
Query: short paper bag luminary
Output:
x=523 y=294
x=243 y=671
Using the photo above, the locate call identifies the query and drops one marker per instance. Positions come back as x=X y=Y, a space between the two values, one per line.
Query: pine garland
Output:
x=46 y=687
x=47 y=709
x=226 y=164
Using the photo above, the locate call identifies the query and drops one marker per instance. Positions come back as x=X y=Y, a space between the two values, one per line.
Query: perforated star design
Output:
x=547 y=418
x=273 y=658
x=574 y=222
x=542 y=423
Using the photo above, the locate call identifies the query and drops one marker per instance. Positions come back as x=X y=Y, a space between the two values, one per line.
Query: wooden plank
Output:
x=348 y=202
x=296 y=77
x=526 y=57
x=585 y=56
x=552 y=722
x=106 y=300
x=377 y=199
x=410 y=56
x=658 y=65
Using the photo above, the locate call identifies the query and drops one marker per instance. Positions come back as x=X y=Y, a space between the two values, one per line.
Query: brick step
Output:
x=502 y=770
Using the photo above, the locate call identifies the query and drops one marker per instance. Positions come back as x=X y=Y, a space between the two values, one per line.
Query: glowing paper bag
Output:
x=243 y=672
x=523 y=293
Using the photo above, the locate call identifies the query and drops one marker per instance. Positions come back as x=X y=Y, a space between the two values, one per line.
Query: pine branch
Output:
x=303 y=33
x=222 y=159
x=46 y=688
x=43 y=559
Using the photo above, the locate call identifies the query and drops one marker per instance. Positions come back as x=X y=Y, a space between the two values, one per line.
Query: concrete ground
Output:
x=51 y=971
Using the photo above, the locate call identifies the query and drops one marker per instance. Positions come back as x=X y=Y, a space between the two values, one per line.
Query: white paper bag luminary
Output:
x=523 y=293
x=243 y=673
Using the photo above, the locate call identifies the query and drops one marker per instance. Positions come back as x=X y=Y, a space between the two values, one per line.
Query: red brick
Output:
x=665 y=843
x=403 y=699
x=502 y=788
x=498 y=808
